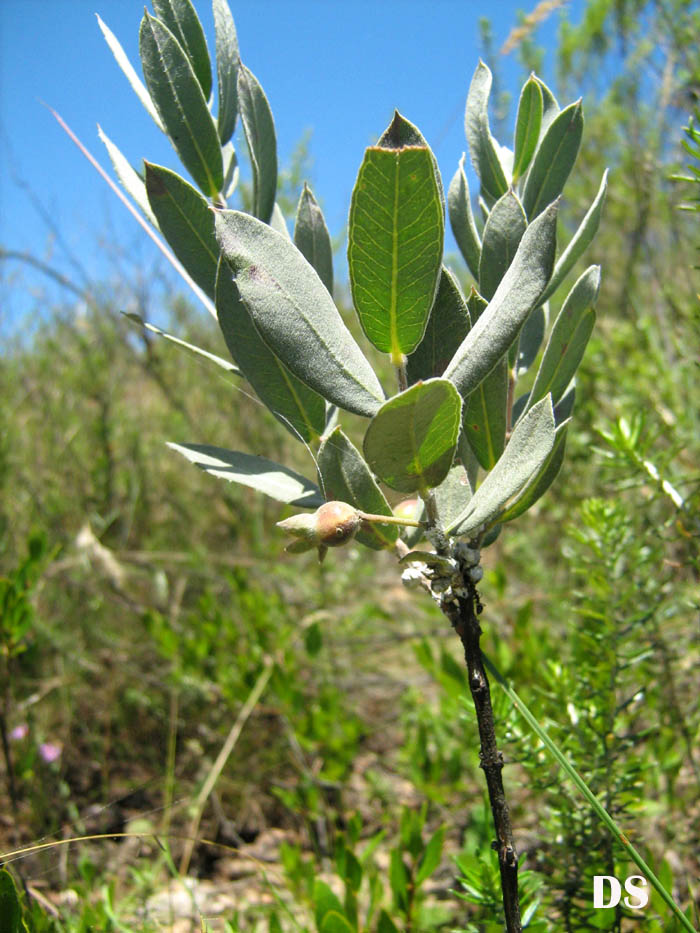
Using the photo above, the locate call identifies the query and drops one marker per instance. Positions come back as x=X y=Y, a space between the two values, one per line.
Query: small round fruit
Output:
x=336 y=523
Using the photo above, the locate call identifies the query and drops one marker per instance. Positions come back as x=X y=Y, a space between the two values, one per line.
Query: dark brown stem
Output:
x=463 y=613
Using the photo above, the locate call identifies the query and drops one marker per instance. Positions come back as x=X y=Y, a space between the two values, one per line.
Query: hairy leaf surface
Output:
x=311 y=237
x=259 y=129
x=181 y=105
x=462 y=220
x=447 y=327
x=527 y=126
x=228 y=60
x=187 y=223
x=181 y=19
x=295 y=315
x=567 y=342
x=553 y=161
x=482 y=146
x=259 y=473
x=301 y=410
x=528 y=448
x=516 y=296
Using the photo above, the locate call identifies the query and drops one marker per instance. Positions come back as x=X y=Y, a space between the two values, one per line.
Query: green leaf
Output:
x=459 y=207
x=312 y=239
x=516 y=296
x=187 y=223
x=325 y=901
x=182 y=21
x=453 y=494
x=503 y=231
x=550 y=107
x=295 y=315
x=231 y=169
x=136 y=83
x=476 y=305
x=482 y=146
x=447 y=327
x=567 y=342
x=301 y=410
x=228 y=60
x=543 y=479
x=179 y=100
x=528 y=448
x=352 y=874
x=431 y=856
x=198 y=351
x=519 y=407
x=395 y=240
x=398 y=879
x=313 y=639
x=347 y=478
x=565 y=406
x=531 y=337
x=553 y=160
x=266 y=476
x=259 y=129
x=386 y=924
x=10 y=907
x=468 y=459
x=410 y=442
x=411 y=830
x=527 y=126
x=335 y=922
x=278 y=223
x=402 y=133
x=129 y=178
x=484 y=418
x=579 y=241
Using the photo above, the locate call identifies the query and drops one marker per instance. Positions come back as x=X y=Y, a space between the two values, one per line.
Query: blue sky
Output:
x=336 y=68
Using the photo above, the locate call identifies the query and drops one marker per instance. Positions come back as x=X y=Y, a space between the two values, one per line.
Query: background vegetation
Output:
x=145 y=610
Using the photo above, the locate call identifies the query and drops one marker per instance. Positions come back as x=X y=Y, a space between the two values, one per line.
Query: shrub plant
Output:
x=596 y=691
x=474 y=430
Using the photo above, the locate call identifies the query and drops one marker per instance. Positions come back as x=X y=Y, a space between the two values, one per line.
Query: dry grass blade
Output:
x=135 y=214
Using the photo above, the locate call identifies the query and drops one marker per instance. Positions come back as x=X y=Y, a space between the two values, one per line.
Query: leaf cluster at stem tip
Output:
x=458 y=358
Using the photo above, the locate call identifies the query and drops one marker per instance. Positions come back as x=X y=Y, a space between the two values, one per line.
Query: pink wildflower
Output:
x=50 y=751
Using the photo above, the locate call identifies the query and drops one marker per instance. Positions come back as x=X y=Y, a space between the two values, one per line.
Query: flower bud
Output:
x=336 y=523
x=332 y=525
x=301 y=526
